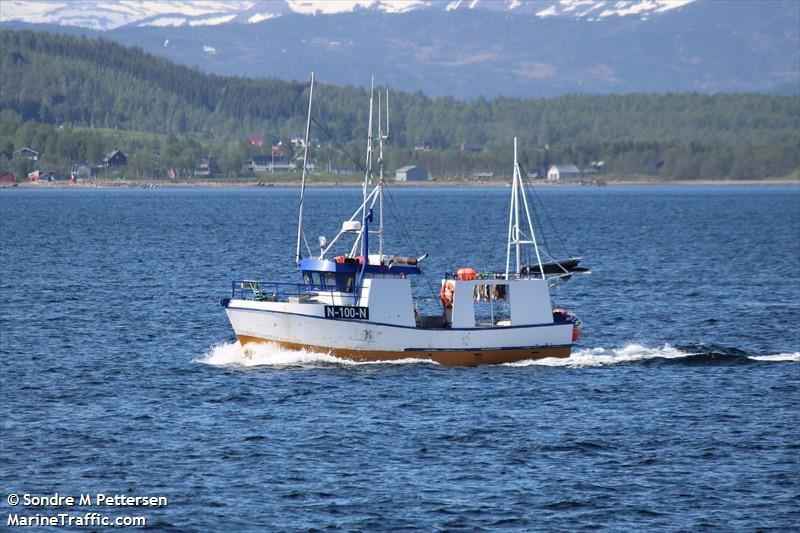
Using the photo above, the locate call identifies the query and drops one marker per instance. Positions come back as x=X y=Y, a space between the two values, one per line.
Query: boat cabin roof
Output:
x=353 y=266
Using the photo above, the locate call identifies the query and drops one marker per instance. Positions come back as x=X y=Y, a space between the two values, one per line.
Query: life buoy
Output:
x=448 y=288
x=466 y=274
x=339 y=259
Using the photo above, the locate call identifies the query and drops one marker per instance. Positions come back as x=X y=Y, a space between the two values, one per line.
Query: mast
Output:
x=517 y=191
x=516 y=205
x=510 y=226
x=382 y=136
x=369 y=139
x=298 y=257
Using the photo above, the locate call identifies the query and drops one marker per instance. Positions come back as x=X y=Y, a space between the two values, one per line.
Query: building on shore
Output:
x=208 y=166
x=411 y=173
x=41 y=175
x=80 y=171
x=559 y=172
x=115 y=159
x=30 y=153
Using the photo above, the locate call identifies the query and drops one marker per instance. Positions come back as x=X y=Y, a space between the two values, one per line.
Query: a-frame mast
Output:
x=515 y=234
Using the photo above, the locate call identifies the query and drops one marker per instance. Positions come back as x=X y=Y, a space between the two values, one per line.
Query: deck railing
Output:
x=483 y=275
x=279 y=291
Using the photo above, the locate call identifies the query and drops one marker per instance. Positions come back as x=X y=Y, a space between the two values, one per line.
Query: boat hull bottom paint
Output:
x=443 y=357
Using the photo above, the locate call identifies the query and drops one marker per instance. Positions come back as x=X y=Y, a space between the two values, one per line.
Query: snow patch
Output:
x=594 y=7
x=35 y=12
x=261 y=17
x=549 y=12
x=624 y=9
x=400 y=6
x=453 y=5
x=164 y=21
x=666 y=5
x=572 y=5
x=213 y=21
x=329 y=7
x=107 y=14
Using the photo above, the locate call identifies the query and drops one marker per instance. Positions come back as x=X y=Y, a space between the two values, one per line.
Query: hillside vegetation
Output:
x=71 y=98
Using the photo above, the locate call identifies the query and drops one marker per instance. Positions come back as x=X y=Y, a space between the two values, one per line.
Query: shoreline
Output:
x=220 y=184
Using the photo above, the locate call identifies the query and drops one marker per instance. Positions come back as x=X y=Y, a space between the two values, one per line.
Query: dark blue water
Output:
x=678 y=411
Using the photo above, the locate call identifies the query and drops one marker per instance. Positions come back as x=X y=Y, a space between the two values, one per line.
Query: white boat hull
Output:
x=304 y=326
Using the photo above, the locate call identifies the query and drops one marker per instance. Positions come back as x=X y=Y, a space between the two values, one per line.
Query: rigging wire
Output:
x=394 y=211
x=357 y=163
x=405 y=235
x=529 y=185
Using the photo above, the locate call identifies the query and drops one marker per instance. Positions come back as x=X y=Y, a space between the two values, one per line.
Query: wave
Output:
x=254 y=355
x=668 y=354
x=778 y=357
x=266 y=354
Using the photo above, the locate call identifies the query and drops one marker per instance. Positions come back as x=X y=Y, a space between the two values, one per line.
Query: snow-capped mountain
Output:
x=106 y=15
x=463 y=48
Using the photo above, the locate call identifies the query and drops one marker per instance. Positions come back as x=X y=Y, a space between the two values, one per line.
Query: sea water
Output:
x=677 y=411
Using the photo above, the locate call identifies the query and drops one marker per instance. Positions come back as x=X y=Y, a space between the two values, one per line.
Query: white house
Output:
x=80 y=170
x=558 y=172
x=411 y=173
x=263 y=163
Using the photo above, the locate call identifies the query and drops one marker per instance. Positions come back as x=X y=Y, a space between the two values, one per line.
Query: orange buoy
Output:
x=466 y=274
x=339 y=259
x=576 y=333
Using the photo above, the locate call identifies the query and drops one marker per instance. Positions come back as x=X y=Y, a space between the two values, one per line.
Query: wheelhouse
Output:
x=341 y=274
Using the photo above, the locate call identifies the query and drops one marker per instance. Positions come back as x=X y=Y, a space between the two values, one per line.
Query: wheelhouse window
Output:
x=313 y=280
x=346 y=282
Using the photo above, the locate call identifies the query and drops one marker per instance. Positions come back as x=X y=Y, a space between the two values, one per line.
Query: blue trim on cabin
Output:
x=348 y=274
x=353 y=266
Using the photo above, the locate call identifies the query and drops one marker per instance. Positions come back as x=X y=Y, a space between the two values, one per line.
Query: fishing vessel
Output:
x=360 y=306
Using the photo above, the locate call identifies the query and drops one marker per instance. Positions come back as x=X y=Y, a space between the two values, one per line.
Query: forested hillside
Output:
x=54 y=87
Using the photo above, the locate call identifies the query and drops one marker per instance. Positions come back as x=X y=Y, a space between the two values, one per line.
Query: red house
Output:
x=6 y=178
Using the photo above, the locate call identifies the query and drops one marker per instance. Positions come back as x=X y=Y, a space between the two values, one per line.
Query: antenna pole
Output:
x=510 y=226
x=382 y=136
x=516 y=203
x=305 y=172
x=369 y=140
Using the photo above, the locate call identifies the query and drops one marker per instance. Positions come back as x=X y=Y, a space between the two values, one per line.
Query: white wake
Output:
x=596 y=357
x=266 y=354
x=253 y=355
x=778 y=357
